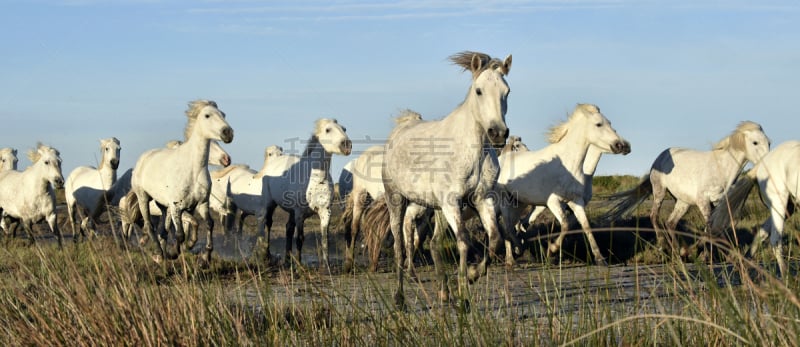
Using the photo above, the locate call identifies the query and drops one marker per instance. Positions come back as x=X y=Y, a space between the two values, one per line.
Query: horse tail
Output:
x=375 y=225
x=129 y=211
x=733 y=203
x=622 y=204
x=346 y=218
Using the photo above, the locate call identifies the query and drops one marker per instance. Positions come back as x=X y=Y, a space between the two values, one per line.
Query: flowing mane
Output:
x=465 y=61
x=736 y=139
x=193 y=111
x=558 y=131
x=34 y=154
x=407 y=115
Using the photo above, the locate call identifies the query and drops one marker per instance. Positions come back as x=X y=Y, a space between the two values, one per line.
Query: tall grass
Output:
x=94 y=293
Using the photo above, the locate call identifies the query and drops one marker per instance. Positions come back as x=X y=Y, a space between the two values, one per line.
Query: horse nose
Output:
x=226 y=160
x=626 y=147
x=59 y=182
x=114 y=163
x=227 y=134
x=620 y=147
x=346 y=146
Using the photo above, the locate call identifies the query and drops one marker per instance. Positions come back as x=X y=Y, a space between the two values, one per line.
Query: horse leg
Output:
x=510 y=216
x=190 y=227
x=777 y=215
x=554 y=204
x=395 y=203
x=413 y=212
x=205 y=214
x=487 y=212
x=658 y=198
x=452 y=212
x=71 y=211
x=436 y=252
x=143 y=199
x=324 y=220
x=580 y=213
x=174 y=215
x=537 y=210
x=52 y=222
x=672 y=221
x=28 y=226
x=359 y=201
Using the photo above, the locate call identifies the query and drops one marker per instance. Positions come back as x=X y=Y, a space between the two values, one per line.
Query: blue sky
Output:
x=666 y=73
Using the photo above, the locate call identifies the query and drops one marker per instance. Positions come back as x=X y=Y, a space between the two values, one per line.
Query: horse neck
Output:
x=462 y=123
x=108 y=175
x=573 y=149
x=196 y=149
x=317 y=160
x=263 y=170
x=33 y=179
x=730 y=162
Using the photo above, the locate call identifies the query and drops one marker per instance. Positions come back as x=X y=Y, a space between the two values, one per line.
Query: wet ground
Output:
x=530 y=290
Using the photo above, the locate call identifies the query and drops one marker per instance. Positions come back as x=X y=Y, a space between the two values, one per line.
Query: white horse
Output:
x=447 y=163
x=778 y=178
x=693 y=177
x=86 y=187
x=178 y=178
x=242 y=187
x=367 y=185
x=306 y=187
x=8 y=159
x=554 y=175
x=122 y=197
x=29 y=196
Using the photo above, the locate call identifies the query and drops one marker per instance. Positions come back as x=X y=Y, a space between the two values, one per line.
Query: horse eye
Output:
x=344 y=129
x=46 y=162
x=478 y=91
x=208 y=116
x=755 y=143
x=327 y=130
x=599 y=124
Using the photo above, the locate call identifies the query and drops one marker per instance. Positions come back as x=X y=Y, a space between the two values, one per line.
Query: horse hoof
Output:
x=157 y=258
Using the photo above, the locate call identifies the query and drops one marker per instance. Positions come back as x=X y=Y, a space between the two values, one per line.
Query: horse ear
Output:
x=507 y=65
x=477 y=63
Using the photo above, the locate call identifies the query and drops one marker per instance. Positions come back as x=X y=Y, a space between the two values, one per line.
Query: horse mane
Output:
x=407 y=115
x=34 y=154
x=736 y=139
x=464 y=59
x=224 y=171
x=558 y=131
x=173 y=143
x=192 y=112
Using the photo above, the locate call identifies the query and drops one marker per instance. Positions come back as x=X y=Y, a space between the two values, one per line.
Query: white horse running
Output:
x=8 y=159
x=778 y=178
x=86 y=187
x=306 y=187
x=122 y=197
x=447 y=163
x=178 y=178
x=589 y=167
x=554 y=175
x=693 y=177
x=28 y=196
x=367 y=183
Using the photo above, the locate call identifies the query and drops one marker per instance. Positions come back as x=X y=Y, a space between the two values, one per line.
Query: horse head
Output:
x=110 y=148
x=750 y=138
x=8 y=159
x=206 y=120
x=488 y=95
x=332 y=136
x=273 y=151
x=599 y=131
x=47 y=161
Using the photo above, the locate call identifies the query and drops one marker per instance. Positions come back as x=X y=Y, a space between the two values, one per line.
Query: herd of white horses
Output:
x=452 y=165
